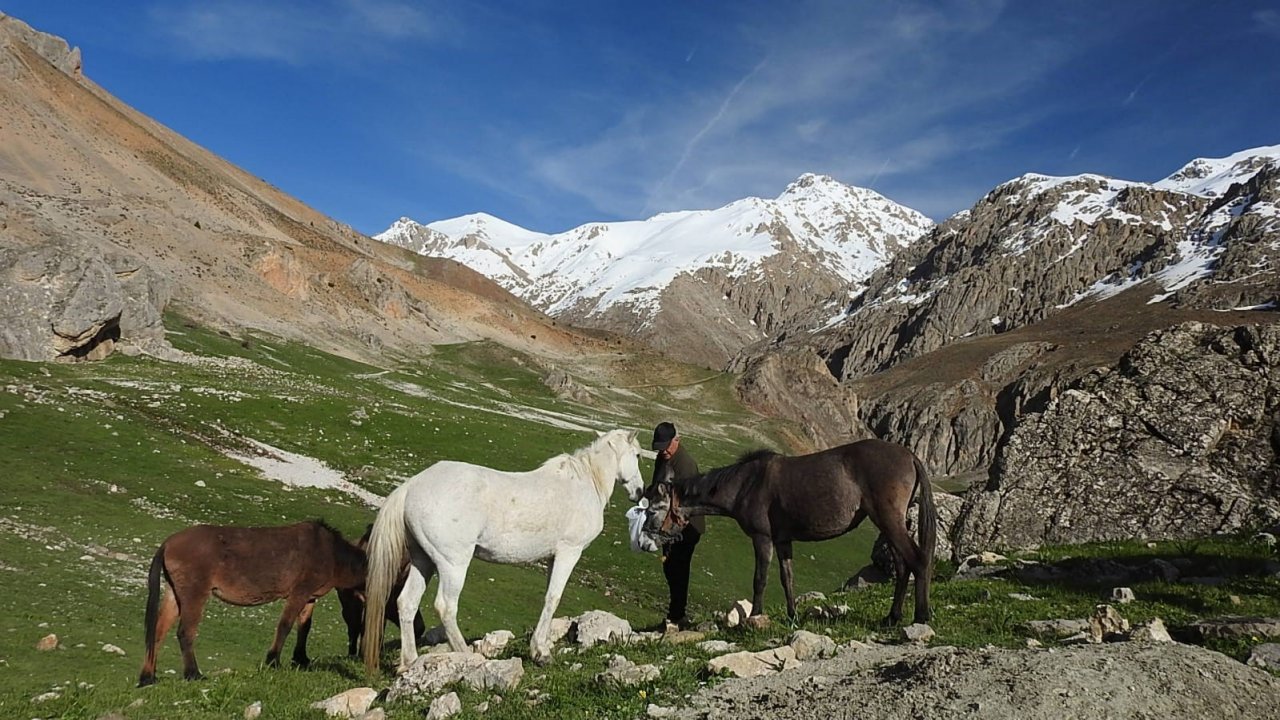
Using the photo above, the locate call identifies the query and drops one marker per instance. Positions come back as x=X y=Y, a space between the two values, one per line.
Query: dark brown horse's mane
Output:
x=710 y=481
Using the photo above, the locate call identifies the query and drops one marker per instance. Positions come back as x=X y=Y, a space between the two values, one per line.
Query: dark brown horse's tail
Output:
x=928 y=523
x=388 y=546
x=153 y=600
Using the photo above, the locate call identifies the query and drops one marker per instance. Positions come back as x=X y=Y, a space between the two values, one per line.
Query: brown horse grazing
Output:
x=777 y=500
x=244 y=566
x=352 y=601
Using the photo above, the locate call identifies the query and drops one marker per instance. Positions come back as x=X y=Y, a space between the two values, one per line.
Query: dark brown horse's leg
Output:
x=764 y=553
x=304 y=629
x=167 y=613
x=784 y=572
x=906 y=557
x=190 y=611
x=293 y=607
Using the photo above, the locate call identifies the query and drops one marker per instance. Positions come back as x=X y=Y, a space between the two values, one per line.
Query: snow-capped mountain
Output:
x=1207 y=236
x=742 y=269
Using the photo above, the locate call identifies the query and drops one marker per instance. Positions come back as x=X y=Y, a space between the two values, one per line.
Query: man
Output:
x=676 y=556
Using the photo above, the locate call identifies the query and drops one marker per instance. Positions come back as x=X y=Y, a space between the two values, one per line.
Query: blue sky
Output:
x=552 y=114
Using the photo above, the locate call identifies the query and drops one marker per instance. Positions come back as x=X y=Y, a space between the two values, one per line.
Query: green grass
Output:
x=104 y=460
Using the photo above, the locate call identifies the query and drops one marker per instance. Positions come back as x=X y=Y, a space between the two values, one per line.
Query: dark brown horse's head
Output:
x=664 y=518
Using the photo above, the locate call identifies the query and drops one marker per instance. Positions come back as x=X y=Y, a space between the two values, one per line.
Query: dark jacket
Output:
x=684 y=468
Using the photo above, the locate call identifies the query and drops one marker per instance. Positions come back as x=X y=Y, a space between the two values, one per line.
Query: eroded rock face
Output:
x=65 y=299
x=1180 y=440
x=796 y=385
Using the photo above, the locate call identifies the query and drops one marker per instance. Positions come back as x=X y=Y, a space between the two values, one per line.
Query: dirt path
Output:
x=1121 y=680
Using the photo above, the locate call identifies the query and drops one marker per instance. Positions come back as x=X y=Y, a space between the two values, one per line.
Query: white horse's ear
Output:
x=600 y=433
x=632 y=437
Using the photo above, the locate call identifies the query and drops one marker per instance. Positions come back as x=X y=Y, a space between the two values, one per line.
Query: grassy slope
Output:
x=102 y=461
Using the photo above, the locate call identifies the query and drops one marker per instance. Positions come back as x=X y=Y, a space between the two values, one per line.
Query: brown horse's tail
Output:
x=928 y=522
x=152 y=615
x=387 y=548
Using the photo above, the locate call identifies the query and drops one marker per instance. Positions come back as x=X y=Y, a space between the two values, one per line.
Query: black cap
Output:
x=663 y=435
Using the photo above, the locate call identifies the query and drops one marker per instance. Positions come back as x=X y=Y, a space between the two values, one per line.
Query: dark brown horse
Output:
x=353 y=605
x=778 y=500
x=244 y=566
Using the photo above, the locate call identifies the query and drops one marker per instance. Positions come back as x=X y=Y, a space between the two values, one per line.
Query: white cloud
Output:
x=1268 y=22
x=863 y=97
x=292 y=32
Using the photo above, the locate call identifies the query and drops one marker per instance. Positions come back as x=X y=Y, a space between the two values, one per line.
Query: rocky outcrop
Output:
x=796 y=386
x=1181 y=440
x=66 y=299
x=15 y=35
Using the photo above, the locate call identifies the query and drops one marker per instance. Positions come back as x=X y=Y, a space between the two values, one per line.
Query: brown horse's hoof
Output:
x=193 y=675
x=146 y=680
x=303 y=663
x=891 y=621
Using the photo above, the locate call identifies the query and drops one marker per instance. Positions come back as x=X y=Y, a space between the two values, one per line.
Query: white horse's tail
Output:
x=388 y=545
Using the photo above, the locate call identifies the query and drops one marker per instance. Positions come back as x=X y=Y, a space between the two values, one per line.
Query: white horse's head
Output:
x=626 y=450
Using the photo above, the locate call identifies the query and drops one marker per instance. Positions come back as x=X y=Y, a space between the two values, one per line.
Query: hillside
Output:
x=109 y=216
x=698 y=285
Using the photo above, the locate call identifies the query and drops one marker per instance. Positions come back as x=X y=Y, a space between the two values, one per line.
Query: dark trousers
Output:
x=675 y=566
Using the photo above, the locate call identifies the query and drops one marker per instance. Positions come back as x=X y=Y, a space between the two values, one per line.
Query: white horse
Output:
x=452 y=511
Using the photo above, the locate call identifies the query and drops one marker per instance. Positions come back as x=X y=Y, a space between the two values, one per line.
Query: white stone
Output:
x=109 y=648
x=598 y=626
x=738 y=614
x=1153 y=631
x=493 y=643
x=253 y=711
x=811 y=646
x=918 y=633
x=350 y=704
x=1122 y=595
x=444 y=706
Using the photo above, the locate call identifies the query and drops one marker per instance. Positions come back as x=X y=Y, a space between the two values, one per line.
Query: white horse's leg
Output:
x=561 y=567
x=452 y=577
x=420 y=568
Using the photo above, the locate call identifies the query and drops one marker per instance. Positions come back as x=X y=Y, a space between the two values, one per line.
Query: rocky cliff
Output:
x=1180 y=440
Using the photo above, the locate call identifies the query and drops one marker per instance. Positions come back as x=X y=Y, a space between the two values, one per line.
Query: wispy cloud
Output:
x=1268 y=22
x=854 y=95
x=295 y=32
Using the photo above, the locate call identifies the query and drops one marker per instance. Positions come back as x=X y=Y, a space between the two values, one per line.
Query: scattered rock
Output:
x=713 y=647
x=625 y=673
x=350 y=704
x=753 y=664
x=435 y=636
x=1122 y=595
x=598 y=626
x=48 y=642
x=109 y=648
x=740 y=611
x=46 y=697
x=253 y=711
x=444 y=706
x=1266 y=655
x=1106 y=623
x=1023 y=597
x=811 y=596
x=811 y=646
x=918 y=633
x=374 y=714
x=1151 y=631
x=493 y=643
x=757 y=622
x=682 y=637
x=431 y=673
x=1034 y=643
x=658 y=712
x=560 y=629
x=1057 y=628
x=1232 y=626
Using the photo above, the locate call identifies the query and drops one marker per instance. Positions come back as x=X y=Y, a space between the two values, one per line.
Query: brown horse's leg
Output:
x=764 y=553
x=784 y=572
x=167 y=613
x=293 y=607
x=190 y=611
x=353 y=616
x=304 y=629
